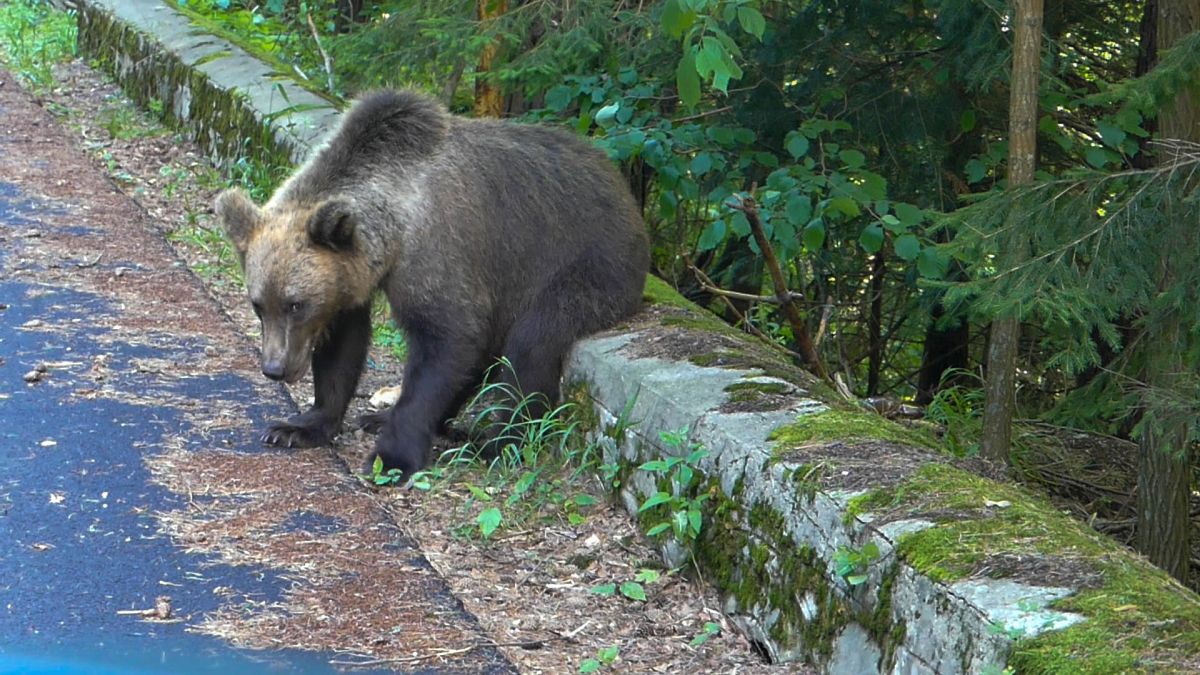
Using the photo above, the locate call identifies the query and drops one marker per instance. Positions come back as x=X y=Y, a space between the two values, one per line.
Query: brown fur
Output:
x=490 y=239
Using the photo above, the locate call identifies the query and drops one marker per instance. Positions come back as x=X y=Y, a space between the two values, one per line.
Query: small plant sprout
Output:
x=710 y=631
x=682 y=507
x=634 y=590
x=383 y=478
x=489 y=519
x=604 y=657
x=852 y=565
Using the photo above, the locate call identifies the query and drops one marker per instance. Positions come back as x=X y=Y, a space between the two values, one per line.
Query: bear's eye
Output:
x=295 y=307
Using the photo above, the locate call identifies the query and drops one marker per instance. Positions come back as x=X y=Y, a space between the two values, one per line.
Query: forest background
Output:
x=870 y=187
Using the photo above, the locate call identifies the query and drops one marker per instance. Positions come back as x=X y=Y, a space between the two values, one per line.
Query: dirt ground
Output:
x=533 y=585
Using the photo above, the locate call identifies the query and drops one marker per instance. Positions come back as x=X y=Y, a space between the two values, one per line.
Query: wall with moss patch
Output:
x=969 y=575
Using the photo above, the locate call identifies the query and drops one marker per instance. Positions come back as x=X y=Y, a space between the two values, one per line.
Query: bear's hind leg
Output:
x=337 y=363
x=535 y=348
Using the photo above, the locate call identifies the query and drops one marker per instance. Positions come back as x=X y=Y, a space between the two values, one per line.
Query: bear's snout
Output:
x=273 y=369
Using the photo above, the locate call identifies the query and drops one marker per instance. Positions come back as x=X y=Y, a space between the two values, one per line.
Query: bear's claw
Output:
x=293 y=435
x=372 y=423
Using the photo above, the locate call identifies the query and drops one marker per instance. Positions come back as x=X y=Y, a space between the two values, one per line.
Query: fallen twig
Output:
x=443 y=653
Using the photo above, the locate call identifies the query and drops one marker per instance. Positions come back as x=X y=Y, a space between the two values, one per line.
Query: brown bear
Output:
x=490 y=239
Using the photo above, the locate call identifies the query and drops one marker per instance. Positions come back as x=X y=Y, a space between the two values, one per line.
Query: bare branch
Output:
x=812 y=359
x=324 y=55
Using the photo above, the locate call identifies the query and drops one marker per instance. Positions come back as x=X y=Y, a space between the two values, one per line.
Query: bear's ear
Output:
x=332 y=224
x=239 y=216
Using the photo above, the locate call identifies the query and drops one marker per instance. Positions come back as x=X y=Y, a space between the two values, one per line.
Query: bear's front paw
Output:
x=302 y=431
x=403 y=450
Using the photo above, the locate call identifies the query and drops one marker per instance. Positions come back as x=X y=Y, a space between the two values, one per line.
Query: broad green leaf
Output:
x=797 y=144
x=752 y=21
x=634 y=591
x=1113 y=135
x=966 y=121
x=872 y=238
x=695 y=521
x=721 y=81
x=856 y=579
x=874 y=185
x=712 y=237
x=722 y=135
x=701 y=163
x=604 y=589
x=908 y=214
x=589 y=666
x=688 y=80
x=668 y=203
x=676 y=18
x=1098 y=157
x=647 y=576
x=604 y=116
x=489 y=520
x=976 y=171
x=658 y=529
x=609 y=654
x=799 y=208
x=853 y=159
x=907 y=246
x=845 y=205
x=558 y=98
x=710 y=59
x=739 y=224
x=814 y=235
x=654 y=500
x=930 y=264
x=584 y=500
x=780 y=180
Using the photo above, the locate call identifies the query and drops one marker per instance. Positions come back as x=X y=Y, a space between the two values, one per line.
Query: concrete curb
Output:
x=233 y=104
x=774 y=542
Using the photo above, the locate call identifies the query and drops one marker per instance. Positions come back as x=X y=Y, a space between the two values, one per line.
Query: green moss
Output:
x=1137 y=618
x=849 y=425
x=878 y=623
x=704 y=321
x=659 y=292
x=749 y=391
x=806 y=478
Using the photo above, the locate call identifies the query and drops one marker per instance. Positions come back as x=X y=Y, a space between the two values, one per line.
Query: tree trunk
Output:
x=1164 y=469
x=875 y=324
x=1000 y=402
x=1164 y=466
x=489 y=101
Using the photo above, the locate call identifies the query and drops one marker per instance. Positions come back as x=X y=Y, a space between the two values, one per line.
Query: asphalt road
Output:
x=128 y=465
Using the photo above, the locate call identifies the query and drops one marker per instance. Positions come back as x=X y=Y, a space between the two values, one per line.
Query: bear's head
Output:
x=302 y=265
